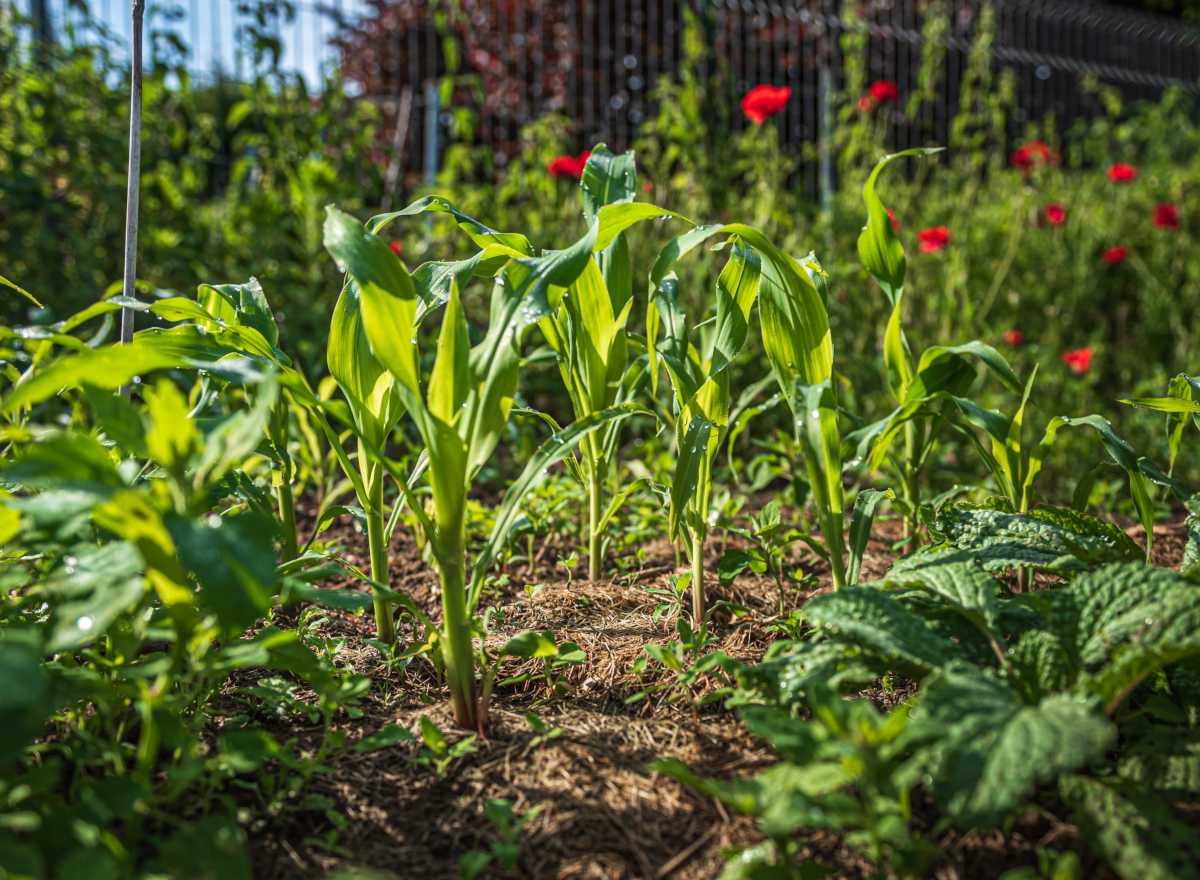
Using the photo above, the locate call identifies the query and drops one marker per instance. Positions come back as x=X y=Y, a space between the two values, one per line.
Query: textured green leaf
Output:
x=1138 y=835
x=233 y=563
x=1050 y=538
x=1166 y=760
x=961 y=585
x=880 y=623
x=1132 y=620
x=24 y=695
x=993 y=749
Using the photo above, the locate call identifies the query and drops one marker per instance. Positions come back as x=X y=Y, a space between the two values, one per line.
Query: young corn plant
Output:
x=928 y=390
x=794 y=322
x=459 y=411
x=587 y=332
x=585 y=326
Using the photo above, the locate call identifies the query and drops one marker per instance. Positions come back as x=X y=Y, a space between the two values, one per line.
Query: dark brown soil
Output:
x=598 y=811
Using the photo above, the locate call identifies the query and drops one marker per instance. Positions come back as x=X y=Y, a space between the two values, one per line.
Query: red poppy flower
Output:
x=763 y=102
x=647 y=187
x=1166 y=216
x=568 y=166
x=1014 y=337
x=884 y=91
x=895 y=223
x=1119 y=172
x=1078 y=359
x=1028 y=155
x=865 y=103
x=933 y=239
x=396 y=247
x=1056 y=214
x=1115 y=254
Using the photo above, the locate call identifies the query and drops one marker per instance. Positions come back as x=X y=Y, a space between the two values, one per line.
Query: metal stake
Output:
x=134 y=175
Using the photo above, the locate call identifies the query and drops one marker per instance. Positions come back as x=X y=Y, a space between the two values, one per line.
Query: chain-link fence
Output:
x=597 y=61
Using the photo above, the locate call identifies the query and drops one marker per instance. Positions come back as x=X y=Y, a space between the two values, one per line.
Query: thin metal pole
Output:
x=134 y=172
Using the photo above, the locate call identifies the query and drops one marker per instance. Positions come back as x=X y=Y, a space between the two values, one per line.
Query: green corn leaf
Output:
x=608 y=179
x=1178 y=405
x=362 y=377
x=993 y=749
x=553 y=450
x=1164 y=404
x=817 y=431
x=387 y=298
x=21 y=290
x=243 y=304
x=737 y=289
x=861 y=518
x=612 y=220
x=878 y=247
x=945 y=368
x=879 y=623
x=482 y=235
x=449 y=381
x=1140 y=471
x=1139 y=835
x=694 y=451
x=896 y=358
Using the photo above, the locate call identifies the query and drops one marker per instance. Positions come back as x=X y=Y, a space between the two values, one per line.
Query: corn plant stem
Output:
x=837 y=553
x=910 y=483
x=594 y=492
x=377 y=541
x=831 y=525
x=456 y=629
x=699 y=534
x=286 y=502
x=284 y=496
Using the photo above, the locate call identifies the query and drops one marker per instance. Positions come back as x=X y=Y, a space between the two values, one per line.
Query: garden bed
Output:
x=599 y=812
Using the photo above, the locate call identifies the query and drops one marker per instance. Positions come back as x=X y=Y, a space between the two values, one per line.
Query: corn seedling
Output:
x=459 y=413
